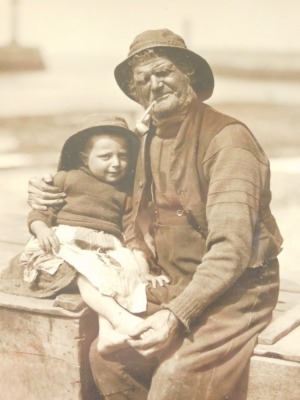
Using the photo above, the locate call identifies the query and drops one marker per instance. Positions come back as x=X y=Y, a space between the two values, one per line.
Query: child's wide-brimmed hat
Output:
x=108 y=123
x=95 y=124
x=173 y=44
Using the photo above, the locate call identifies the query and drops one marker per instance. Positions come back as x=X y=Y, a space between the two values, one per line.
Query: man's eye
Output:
x=165 y=72
x=162 y=73
x=143 y=80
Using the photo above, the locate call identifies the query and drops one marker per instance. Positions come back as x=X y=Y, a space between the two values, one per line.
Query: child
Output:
x=95 y=171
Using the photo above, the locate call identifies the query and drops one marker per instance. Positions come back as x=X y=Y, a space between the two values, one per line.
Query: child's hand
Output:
x=144 y=270
x=48 y=240
x=154 y=280
x=45 y=236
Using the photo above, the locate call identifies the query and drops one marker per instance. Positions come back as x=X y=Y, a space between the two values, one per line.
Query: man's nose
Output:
x=156 y=83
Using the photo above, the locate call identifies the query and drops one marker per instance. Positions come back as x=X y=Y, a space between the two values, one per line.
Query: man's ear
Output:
x=84 y=158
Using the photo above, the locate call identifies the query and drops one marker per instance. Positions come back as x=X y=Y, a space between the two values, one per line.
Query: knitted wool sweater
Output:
x=90 y=203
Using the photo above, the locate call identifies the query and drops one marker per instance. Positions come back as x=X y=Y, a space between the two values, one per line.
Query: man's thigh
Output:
x=177 y=378
x=208 y=362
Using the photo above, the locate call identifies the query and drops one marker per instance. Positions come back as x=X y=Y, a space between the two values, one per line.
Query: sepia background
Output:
x=56 y=65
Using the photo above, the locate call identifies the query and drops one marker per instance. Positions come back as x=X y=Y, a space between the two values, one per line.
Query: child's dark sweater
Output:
x=90 y=203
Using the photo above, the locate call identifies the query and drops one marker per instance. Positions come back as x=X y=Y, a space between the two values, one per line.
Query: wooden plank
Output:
x=46 y=357
x=271 y=379
x=281 y=326
x=72 y=302
x=34 y=377
x=41 y=306
x=43 y=335
x=286 y=301
x=287 y=348
x=289 y=286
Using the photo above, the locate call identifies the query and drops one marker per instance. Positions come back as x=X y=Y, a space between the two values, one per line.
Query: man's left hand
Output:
x=154 y=333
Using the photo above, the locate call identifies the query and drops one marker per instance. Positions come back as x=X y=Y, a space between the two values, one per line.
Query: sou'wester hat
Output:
x=112 y=122
x=108 y=124
x=174 y=44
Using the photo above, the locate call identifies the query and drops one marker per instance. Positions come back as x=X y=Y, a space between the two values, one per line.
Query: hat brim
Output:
x=110 y=129
x=203 y=85
x=74 y=145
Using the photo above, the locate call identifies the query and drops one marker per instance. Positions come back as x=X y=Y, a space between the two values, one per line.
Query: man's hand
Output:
x=42 y=194
x=155 y=333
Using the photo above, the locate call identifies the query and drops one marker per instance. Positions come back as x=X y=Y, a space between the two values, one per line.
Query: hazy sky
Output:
x=83 y=40
x=108 y=26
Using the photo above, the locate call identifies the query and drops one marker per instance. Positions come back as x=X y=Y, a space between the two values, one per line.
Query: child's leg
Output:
x=109 y=339
x=121 y=320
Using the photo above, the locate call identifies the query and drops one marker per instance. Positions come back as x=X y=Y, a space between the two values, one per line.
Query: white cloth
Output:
x=109 y=266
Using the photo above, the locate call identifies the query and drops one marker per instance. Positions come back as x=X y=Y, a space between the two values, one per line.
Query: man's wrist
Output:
x=173 y=321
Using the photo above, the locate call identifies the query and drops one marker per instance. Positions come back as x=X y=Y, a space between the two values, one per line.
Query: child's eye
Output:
x=104 y=158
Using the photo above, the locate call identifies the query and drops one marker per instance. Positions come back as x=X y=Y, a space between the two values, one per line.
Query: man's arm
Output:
x=236 y=170
x=48 y=216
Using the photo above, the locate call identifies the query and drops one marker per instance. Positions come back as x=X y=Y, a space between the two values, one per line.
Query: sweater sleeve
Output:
x=48 y=216
x=235 y=168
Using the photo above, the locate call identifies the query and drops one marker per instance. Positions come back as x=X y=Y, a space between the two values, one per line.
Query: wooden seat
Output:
x=44 y=349
x=275 y=366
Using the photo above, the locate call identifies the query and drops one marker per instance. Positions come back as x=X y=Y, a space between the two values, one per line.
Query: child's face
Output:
x=108 y=158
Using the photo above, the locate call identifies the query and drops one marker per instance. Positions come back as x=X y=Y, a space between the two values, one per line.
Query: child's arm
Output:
x=45 y=236
x=145 y=273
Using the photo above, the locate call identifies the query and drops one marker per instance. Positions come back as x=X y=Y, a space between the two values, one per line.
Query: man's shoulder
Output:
x=236 y=136
x=211 y=123
x=213 y=116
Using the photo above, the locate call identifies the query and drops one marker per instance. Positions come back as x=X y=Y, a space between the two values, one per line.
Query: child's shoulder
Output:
x=59 y=178
x=63 y=179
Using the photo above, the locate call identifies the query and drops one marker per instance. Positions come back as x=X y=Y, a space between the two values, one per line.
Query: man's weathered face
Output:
x=160 y=80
